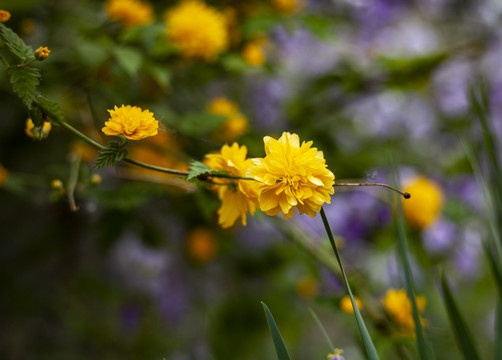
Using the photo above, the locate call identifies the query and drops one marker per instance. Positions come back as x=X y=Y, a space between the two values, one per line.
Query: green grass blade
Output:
x=494 y=266
x=459 y=327
x=402 y=246
x=280 y=348
x=371 y=352
x=497 y=352
x=323 y=330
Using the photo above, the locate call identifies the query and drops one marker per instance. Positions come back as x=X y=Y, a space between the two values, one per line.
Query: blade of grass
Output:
x=280 y=348
x=323 y=330
x=495 y=267
x=371 y=352
x=498 y=331
x=460 y=330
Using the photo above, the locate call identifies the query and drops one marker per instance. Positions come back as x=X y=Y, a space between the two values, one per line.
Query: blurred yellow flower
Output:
x=202 y=245
x=307 y=287
x=235 y=125
x=86 y=152
x=37 y=132
x=346 y=304
x=425 y=203
x=197 y=29
x=292 y=176
x=42 y=53
x=132 y=122
x=254 y=52
x=237 y=197
x=288 y=6
x=57 y=184
x=337 y=355
x=398 y=306
x=130 y=13
x=4 y=16
x=4 y=175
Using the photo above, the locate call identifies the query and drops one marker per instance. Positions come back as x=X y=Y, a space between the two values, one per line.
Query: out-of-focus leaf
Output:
x=161 y=74
x=15 y=43
x=90 y=53
x=280 y=348
x=111 y=154
x=198 y=124
x=323 y=330
x=50 y=108
x=235 y=63
x=495 y=267
x=321 y=27
x=129 y=59
x=497 y=352
x=24 y=82
x=259 y=24
x=459 y=327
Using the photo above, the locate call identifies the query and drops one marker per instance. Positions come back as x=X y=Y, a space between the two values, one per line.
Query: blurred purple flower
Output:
x=439 y=236
x=467 y=189
x=259 y=233
x=130 y=316
x=372 y=16
x=266 y=100
x=467 y=256
x=450 y=82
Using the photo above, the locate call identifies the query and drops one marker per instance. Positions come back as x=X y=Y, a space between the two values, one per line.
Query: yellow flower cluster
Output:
x=346 y=304
x=130 y=13
x=197 y=29
x=131 y=122
x=4 y=16
x=37 y=132
x=237 y=198
x=42 y=53
x=292 y=176
x=288 y=6
x=425 y=204
x=398 y=306
x=235 y=124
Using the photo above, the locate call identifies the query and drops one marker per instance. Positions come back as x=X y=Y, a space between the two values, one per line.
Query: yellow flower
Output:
x=346 y=304
x=307 y=287
x=57 y=184
x=4 y=16
x=132 y=122
x=292 y=176
x=37 y=132
x=42 y=53
x=239 y=197
x=197 y=29
x=337 y=355
x=130 y=13
x=254 y=53
x=425 y=203
x=288 y=6
x=202 y=245
x=398 y=306
x=4 y=175
x=235 y=125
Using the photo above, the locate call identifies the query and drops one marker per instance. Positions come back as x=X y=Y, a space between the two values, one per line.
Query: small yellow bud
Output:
x=95 y=179
x=37 y=132
x=57 y=184
x=4 y=16
x=42 y=53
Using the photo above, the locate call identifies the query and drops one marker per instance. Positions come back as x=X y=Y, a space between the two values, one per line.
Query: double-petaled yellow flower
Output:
x=130 y=13
x=292 y=176
x=197 y=29
x=132 y=122
x=42 y=53
x=237 y=197
x=398 y=306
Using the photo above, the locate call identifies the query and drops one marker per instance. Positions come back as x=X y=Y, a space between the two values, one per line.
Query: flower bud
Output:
x=57 y=184
x=95 y=179
x=37 y=132
x=4 y=16
x=42 y=53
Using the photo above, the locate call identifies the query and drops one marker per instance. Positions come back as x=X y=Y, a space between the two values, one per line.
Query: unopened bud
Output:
x=37 y=132
x=95 y=179
x=42 y=53
x=57 y=184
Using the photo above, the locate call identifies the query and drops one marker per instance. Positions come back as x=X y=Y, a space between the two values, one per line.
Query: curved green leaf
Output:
x=280 y=348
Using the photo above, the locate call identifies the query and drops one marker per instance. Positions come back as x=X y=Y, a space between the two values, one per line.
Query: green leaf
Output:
x=50 y=108
x=15 y=44
x=161 y=74
x=24 y=82
x=459 y=327
x=323 y=330
x=497 y=352
x=197 y=169
x=280 y=348
x=494 y=266
x=36 y=116
x=129 y=59
x=198 y=124
x=111 y=154
x=369 y=347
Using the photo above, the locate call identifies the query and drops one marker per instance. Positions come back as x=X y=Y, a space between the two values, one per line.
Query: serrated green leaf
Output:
x=280 y=348
x=197 y=169
x=459 y=326
x=111 y=154
x=36 y=116
x=129 y=59
x=15 y=44
x=24 y=82
x=50 y=108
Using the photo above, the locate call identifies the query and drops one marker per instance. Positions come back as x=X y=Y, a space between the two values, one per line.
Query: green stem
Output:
x=5 y=63
x=72 y=182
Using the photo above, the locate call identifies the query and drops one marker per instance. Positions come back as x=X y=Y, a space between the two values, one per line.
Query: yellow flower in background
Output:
x=130 y=13
x=292 y=176
x=337 y=355
x=425 y=203
x=307 y=287
x=42 y=53
x=346 y=304
x=201 y=245
x=254 y=52
x=288 y=6
x=238 y=197
x=132 y=122
x=398 y=306
x=197 y=29
x=235 y=125
x=37 y=132
x=4 y=175
x=86 y=152
x=4 y=16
